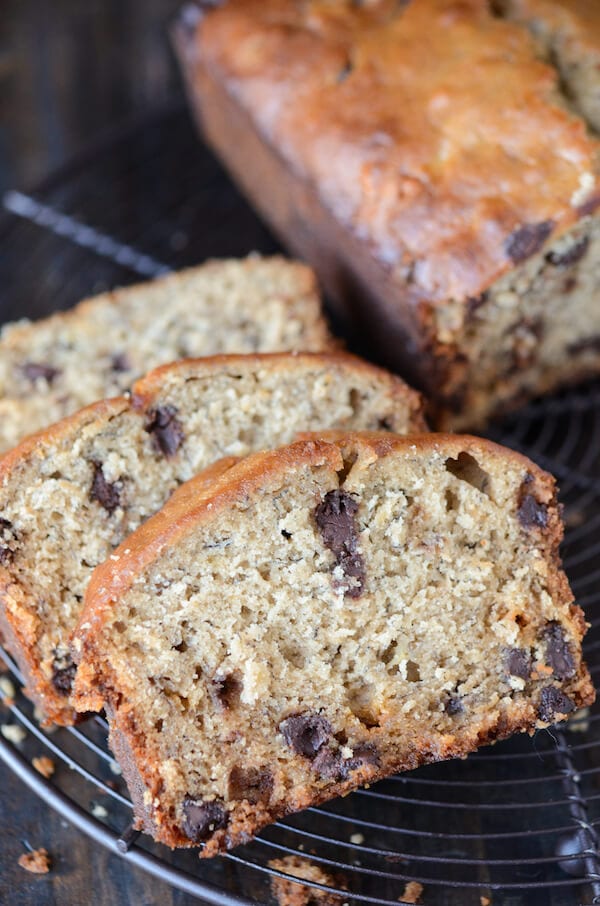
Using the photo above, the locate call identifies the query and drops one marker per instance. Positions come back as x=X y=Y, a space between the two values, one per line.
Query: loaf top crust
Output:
x=456 y=156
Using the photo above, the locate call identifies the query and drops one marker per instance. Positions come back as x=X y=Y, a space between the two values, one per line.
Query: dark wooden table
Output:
x=69 y=70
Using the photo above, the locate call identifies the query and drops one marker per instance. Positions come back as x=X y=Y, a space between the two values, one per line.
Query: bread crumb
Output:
x=8 y=690
x=44 y=766
x=37 y=861
x=412 y=892
x=291 y=893
x=115 y=768
x=485 y=901
x=98 y=811
x=579 y=722
x=357 y=838
x=13 y=732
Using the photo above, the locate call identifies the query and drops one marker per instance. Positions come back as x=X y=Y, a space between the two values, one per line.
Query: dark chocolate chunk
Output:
x=306 y=733
x=344 y=72
x=588 y=207
x=108 y=494
x=454 y=705
x=587 y=344
x=531 y=512
x=167 y=432
x=330 y=763
x=201 y=818
x=517 y=662
x=558 y=652
x=225 y=691
x=527 y=240
x=6 y=535
x=120 y=362
x=570 y=256
x=33 y=371
x=335 y=521
x=473 y=303
x=252 y=784
x=552 y=702
x=63 y=673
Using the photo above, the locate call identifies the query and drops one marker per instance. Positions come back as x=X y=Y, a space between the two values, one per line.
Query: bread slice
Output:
x=323 y=615
x=53 y=367
x=71 y=494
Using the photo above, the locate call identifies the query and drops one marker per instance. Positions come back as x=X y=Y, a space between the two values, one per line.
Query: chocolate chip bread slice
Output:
x=69 y=495
x=323 y=615
x=53 y=367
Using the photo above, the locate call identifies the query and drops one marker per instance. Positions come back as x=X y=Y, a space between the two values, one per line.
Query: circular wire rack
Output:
x=515 y=824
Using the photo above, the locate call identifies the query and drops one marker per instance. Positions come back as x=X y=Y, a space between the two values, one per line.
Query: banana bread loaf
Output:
x=450 y=208
x=72 y=493
x=53 y=367
x=321 y=616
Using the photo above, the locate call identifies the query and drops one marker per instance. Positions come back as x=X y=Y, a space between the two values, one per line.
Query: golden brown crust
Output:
x=145 y=389
x=426 y=196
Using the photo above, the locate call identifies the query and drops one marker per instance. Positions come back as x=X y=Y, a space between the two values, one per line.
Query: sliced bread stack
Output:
x=322 y=615
x=51 y=368
x=72 y=493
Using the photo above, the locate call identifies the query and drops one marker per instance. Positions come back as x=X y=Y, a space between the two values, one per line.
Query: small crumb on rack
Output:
x=8 y=690
x=292 y=893
x=13 y=732
x=412 y=892
x=115 y=767
x=485 y=901
x=44 y=766
x=98 y=811
x=357 y=838
x=579 y=722
x=37 y=861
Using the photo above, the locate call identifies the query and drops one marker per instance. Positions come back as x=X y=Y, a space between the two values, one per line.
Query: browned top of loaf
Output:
x=455 y=155
x=198 y=502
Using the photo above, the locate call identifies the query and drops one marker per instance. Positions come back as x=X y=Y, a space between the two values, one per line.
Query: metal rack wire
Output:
x=518 y=823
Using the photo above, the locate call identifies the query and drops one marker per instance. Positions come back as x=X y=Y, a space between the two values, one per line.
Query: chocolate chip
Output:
x=475 y=302
x=531 y=512
x=553 y=702
x=517 y=662
x=570 y=256
x=454 y=705
x=558 y=652
x=225 y=691
x=588 y=344
x=252 y=784
x=527 y=240
x=330 y=763
x=63 y=673
x=335 y=521
x=108 y=494
x=589 y=206
x=6 y=535
x=344 y=72
x=120 y=362
x=33 y=371
x=305 y=733
x=201 y=818
x=167 y=432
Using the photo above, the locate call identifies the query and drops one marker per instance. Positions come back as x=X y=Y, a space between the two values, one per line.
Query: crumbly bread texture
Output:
x=53 y=367
x=568 y=32
x=321 y=616
x=456 y=227
x=72 y=493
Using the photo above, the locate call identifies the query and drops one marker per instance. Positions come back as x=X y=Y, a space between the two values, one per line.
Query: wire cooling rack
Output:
x=516 y=824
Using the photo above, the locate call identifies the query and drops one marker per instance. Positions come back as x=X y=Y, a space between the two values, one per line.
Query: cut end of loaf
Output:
x=332 y=613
